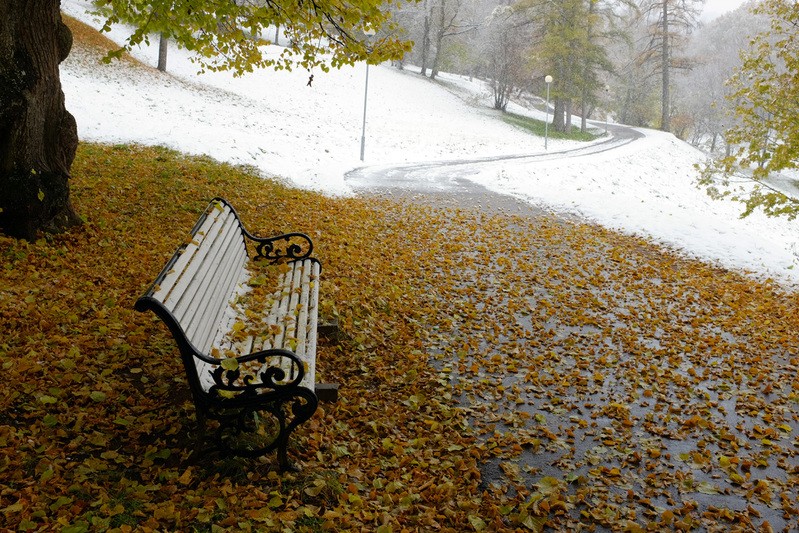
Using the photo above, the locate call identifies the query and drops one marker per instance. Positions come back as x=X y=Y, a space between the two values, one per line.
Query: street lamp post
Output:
x=547 y=79
x=368 y=32
x=607 y=102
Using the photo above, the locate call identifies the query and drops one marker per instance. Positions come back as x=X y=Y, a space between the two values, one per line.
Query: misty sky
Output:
x=714 y=8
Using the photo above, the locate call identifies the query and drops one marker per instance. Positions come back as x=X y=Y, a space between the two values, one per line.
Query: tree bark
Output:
x=439 y=38
x=558 y=115
x=38 y=137
x=665 y=116
x=425 y=39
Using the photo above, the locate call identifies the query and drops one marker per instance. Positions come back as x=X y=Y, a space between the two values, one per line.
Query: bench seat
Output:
x=290 y=323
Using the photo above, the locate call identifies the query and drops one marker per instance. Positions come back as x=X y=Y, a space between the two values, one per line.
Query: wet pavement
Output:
x=617 y=382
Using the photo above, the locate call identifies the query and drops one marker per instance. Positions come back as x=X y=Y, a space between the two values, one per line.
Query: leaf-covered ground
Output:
x=500 y=370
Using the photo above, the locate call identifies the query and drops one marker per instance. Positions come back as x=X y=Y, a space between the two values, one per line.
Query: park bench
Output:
x=251 y=370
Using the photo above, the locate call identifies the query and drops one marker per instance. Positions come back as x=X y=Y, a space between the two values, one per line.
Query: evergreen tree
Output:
x=670 y=21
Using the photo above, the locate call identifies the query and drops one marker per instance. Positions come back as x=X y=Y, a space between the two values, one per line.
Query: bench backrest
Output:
x=195 y=288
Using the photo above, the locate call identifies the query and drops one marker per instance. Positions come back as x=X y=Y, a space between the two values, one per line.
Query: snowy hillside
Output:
x=310 y=136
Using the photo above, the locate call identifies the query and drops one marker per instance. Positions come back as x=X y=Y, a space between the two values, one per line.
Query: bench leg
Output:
x=286 y=412
x=303 y=405
x=283 y=456
x=201 y=427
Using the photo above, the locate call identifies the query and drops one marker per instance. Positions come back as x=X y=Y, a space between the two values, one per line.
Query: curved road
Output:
x=453 y=175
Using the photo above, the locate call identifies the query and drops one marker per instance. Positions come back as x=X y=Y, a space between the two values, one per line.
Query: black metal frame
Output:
x=238 y=394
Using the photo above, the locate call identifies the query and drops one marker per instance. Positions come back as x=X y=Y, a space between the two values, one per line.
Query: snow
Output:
x=310 y=136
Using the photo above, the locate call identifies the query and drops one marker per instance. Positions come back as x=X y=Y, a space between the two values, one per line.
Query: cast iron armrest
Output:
x=232 y=379
x=289 y=246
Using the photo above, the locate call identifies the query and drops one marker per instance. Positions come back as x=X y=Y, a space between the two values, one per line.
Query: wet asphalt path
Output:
x=452 y=176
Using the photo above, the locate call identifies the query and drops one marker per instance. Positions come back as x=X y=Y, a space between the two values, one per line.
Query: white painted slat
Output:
x=210 y=259
x=294 y=309
x=207 y=308
x=311 y=336
x=301 y=312
x=301 y=331
x=166 y=285
x=283 y=296
x=220 y=313
x=295 y=289
x=211 y=281
x=196 y=253
x=213 y=277
x=220 y=299
x=222 y=342
x=291 y=298
x=272 y=319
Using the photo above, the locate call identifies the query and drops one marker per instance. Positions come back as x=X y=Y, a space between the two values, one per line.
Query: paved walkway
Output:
x=618 y=383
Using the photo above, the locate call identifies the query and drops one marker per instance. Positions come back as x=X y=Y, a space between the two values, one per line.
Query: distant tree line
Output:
x=608 y=54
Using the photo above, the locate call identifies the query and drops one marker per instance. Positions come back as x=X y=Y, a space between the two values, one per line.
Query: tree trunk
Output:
x=558 y=123
x=665 y=117
x=38 y=137
x=425 y=39
x=584 y=112
x=587 y=70
x=439 y=38
x=436 y=55
x=163 y=46
x=567 y=127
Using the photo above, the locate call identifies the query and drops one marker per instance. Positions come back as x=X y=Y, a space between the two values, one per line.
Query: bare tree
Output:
x=669 y=21
x=701 y=92
x=450 y=22
x=504 y=55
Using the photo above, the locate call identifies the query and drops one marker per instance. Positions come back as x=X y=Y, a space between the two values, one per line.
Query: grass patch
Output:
x=87 y=38
x=537 y=127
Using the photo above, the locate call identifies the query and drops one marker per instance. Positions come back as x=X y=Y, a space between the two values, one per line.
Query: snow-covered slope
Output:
x=310 y=135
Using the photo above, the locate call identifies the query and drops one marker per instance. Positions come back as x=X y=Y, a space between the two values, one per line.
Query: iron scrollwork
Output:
x=245 y=432
x=290 y=246
x=233 y=377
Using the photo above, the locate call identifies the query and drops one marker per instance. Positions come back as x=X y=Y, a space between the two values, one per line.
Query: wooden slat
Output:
x=291 y=298
x=211 y=287
x=294 y=309
x=221 y=296
x=209 y=307
x=168 y=282
x=295 y=300
x=209 y=260
x=290 y=320
x=283 y=299
x=186 y=266
x=311 y=329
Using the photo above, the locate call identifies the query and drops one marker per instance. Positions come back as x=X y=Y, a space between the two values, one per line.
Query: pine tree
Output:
x=670 y=21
